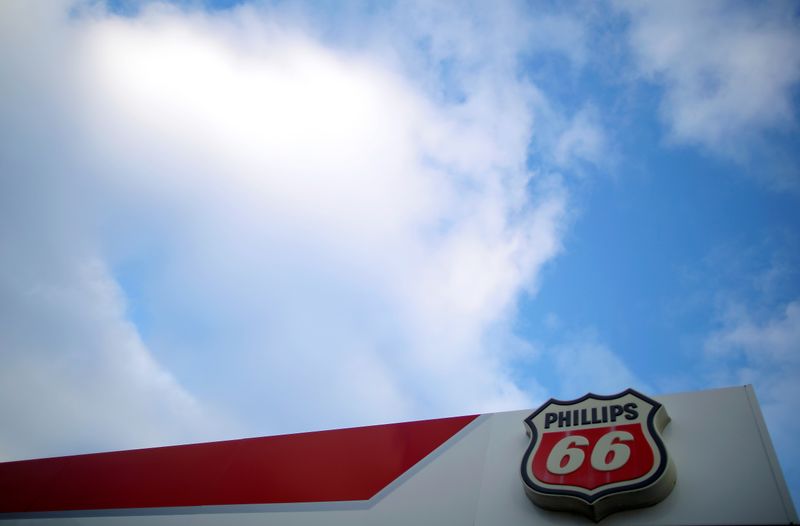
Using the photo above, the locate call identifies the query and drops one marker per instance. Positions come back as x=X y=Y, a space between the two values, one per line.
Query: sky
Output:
x=231 y=219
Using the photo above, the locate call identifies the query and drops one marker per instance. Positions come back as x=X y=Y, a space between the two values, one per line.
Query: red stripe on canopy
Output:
x=340 y=465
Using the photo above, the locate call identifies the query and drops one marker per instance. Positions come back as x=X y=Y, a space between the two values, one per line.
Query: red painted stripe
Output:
x=341 y=465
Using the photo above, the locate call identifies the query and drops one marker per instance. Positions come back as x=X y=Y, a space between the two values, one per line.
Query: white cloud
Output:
x=328 y=242
x=585 y=365
x=75 y=375
x=729 y=70
x=583 y=139
x=773 y=342
x=561 y=33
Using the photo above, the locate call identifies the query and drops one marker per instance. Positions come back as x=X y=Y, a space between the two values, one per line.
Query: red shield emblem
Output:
x=598 y=454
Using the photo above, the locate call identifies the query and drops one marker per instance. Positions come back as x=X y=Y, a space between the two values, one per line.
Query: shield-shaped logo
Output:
x=598 y=454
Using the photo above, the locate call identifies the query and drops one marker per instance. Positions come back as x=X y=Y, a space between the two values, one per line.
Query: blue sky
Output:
x=233 y=219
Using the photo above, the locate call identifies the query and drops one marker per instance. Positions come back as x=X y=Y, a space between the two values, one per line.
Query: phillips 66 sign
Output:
x=598 y=454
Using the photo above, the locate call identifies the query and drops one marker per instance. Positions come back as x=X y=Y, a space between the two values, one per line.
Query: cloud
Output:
x=75 y=374
x=308 y=235
x=561 y=33
x=775 y=341
x=582 y=364
x=728 y=70
x=583 y=140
